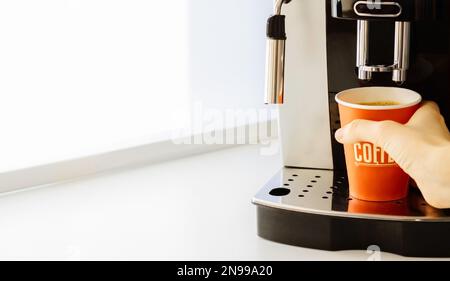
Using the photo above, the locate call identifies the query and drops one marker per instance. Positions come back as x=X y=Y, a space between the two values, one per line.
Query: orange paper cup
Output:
x=372 y=174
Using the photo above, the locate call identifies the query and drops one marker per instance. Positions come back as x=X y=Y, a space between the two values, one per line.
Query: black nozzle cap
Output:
x=276 y=28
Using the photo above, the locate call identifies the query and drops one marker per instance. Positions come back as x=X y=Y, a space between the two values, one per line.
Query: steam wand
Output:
x=275 y=62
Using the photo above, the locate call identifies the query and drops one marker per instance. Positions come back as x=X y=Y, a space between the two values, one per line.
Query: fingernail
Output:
x=339 y=135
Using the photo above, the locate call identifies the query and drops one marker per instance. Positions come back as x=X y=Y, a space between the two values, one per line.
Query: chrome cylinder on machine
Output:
x=275 y=61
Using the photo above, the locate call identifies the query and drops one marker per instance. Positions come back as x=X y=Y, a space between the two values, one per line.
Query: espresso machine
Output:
x=315 y=49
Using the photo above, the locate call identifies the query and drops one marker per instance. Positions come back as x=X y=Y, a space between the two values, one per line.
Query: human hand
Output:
x=421 y=148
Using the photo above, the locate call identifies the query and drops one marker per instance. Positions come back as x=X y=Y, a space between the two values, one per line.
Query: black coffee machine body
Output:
x=418 y=38
x=317 y=48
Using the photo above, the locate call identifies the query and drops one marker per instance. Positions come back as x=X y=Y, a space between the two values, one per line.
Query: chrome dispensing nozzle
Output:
x=401 y=52
x=275 y=61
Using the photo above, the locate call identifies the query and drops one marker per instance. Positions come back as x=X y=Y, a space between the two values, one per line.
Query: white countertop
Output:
x=194 y=208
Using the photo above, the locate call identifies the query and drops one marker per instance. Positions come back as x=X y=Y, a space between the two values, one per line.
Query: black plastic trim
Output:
x=276 y=27
x=412 y=239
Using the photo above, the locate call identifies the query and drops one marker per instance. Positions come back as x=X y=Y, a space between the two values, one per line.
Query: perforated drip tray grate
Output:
x=324 y=192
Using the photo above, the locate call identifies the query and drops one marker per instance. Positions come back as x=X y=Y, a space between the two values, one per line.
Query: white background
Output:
x=79 y=77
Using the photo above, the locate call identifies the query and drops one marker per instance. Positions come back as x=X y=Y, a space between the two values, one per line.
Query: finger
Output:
x=357 y=130
x=428 y=119
x=430 y=105
x=427 y=114
x=366 y=131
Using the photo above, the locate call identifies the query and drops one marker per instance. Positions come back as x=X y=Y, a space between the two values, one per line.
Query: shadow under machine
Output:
x=334 y=45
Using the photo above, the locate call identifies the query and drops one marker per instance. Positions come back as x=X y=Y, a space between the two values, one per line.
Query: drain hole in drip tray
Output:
x=281 y=191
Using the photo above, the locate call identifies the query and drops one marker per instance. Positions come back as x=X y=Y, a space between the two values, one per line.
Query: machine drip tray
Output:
x=312 y=208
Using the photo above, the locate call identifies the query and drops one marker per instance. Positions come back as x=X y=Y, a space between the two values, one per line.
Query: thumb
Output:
x=392 y=137
x=357 y=131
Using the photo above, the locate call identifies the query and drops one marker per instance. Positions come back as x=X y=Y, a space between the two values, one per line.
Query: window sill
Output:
x=132 y=155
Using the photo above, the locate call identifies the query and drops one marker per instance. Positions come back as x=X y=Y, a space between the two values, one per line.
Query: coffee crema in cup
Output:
x=380 y=103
